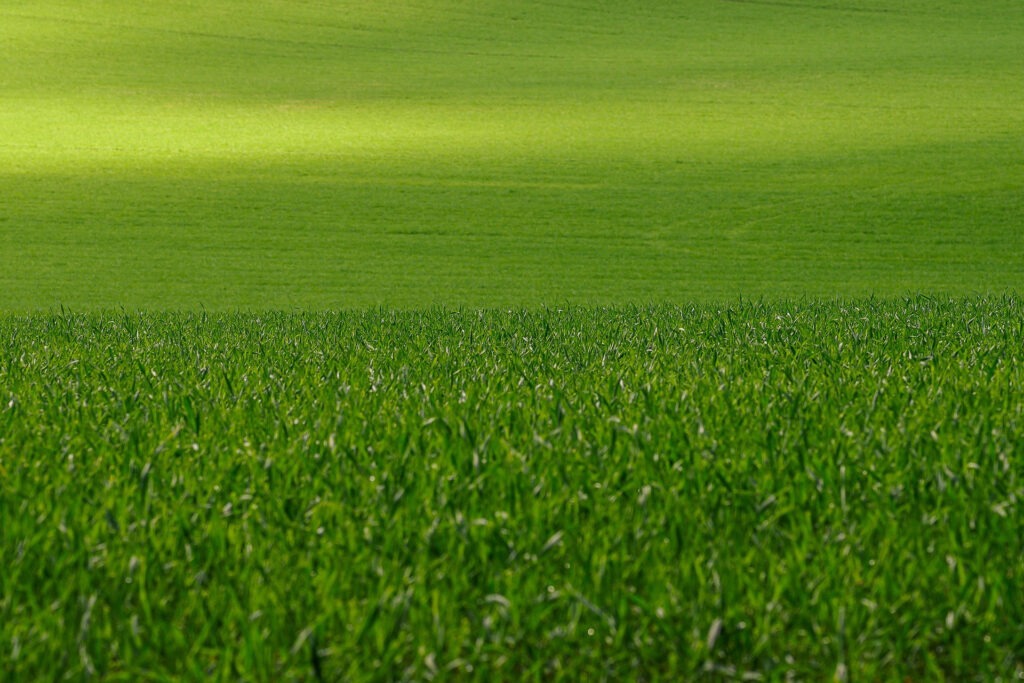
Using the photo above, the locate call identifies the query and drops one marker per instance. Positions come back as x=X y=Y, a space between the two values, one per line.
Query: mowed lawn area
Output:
x=410 y=153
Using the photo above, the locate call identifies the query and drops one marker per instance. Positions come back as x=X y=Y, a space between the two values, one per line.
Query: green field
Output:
x=756 y=492
x=314 y=155
x=511 y=340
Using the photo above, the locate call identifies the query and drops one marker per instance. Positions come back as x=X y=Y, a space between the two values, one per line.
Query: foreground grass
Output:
x=758 y=491
x=419 y=152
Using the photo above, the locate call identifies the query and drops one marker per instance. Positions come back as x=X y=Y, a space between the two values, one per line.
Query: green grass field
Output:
x=511 y=340
x=756 y=492
x=312 y=155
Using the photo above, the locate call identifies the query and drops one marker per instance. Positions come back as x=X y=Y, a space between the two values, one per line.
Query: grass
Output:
x=326 y=155
x=535 y=445
x=760 y=491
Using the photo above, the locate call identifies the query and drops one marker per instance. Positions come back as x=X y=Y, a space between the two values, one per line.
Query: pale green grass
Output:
x=334 y=155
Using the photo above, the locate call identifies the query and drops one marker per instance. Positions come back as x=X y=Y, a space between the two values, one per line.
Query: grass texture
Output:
x=313 y=155
x=755 y=492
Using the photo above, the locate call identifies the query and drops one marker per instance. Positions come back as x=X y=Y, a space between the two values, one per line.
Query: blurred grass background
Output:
x=335 y=155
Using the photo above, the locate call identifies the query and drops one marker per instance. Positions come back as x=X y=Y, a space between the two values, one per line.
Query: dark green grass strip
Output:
x=752 y=491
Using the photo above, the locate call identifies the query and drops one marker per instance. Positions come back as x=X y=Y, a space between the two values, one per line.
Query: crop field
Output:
x=511 y=340
x=758 y=492
x=335 y=155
